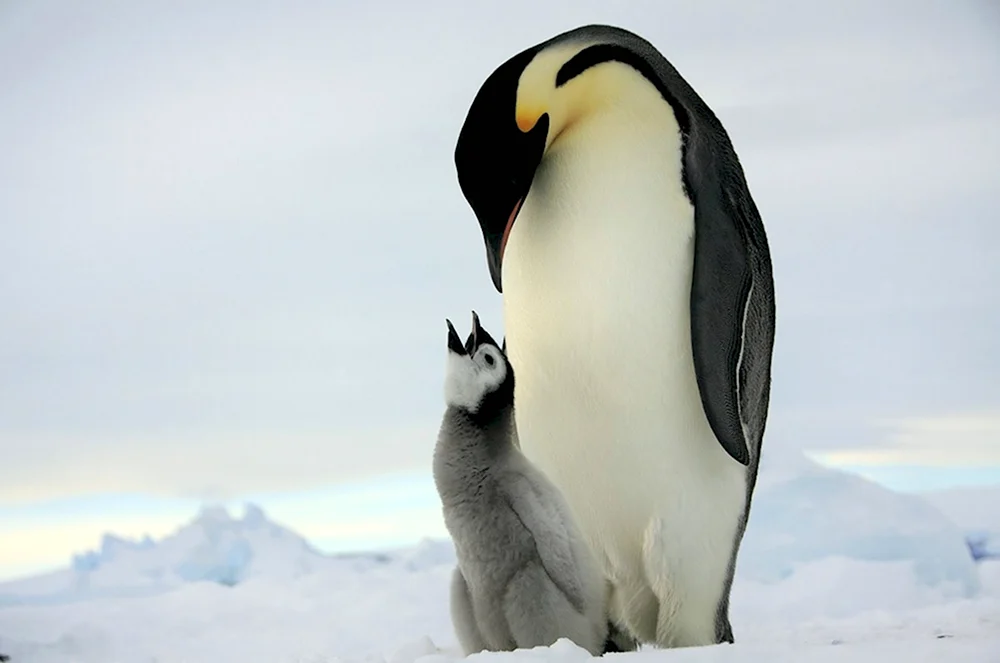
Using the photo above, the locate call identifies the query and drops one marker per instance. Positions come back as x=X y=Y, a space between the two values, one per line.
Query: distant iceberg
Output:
x=806 y=520
x=803 y=512
x=976 y=510
x=214 y=547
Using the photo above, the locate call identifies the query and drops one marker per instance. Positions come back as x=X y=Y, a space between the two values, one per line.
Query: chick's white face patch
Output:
x=468 y=379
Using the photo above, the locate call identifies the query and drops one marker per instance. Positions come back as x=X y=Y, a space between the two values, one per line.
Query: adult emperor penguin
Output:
x=639 y=313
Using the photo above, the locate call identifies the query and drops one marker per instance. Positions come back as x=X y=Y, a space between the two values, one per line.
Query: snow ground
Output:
x=836 y=569
x=397 y=612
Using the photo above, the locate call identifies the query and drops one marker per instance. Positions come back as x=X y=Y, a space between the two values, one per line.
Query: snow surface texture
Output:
x=834 y=569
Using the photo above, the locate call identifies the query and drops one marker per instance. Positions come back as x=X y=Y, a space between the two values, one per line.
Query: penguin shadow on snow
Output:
x=525 y=577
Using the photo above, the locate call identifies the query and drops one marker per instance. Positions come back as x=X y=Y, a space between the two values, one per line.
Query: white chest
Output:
x=597 y=282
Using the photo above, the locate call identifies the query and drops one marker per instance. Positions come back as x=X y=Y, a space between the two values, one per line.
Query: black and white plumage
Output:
x=639 y=313
x=525 y=576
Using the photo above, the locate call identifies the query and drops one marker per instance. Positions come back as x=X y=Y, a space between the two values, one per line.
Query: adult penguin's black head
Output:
x=523 y=107
x=496 y=160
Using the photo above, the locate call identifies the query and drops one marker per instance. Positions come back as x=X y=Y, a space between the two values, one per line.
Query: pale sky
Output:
x=232 y=232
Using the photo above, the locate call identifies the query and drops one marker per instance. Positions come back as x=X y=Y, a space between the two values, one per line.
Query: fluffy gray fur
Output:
x=525 y=575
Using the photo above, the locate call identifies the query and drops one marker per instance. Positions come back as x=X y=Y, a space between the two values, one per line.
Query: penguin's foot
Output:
x=618 y=640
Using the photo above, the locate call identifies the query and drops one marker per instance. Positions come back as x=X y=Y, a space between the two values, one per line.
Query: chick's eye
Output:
x=489 y=359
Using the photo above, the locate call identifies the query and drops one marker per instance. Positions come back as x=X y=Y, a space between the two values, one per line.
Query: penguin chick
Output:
x=525 y=575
